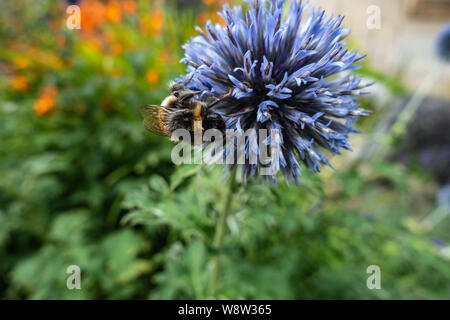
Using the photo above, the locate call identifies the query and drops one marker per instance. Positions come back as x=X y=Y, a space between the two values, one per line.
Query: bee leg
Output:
x=226 y=95
x=189 y=95
x=221 y=98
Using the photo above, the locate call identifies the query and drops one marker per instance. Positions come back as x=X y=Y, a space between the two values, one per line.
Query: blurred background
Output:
x=82 y=183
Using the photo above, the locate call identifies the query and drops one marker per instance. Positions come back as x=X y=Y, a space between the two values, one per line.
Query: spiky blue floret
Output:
x=277 y=69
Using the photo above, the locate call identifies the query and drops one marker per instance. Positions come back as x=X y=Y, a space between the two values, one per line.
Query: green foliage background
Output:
x=84 y=184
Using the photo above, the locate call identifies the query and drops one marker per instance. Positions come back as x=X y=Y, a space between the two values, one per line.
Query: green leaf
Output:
x=158 y=184
x=183 y=173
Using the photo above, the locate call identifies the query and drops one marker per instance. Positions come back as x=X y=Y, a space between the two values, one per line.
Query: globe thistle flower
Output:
x=269 y=69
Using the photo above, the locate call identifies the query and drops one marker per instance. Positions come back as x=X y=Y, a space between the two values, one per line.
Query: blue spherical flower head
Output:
x=443 y=44
x=281 y=72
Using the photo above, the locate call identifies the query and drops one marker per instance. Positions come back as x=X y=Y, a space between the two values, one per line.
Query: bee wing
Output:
x=154 y=119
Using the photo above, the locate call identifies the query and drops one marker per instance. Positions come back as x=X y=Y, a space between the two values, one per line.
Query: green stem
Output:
x=381 y=141
x=408 y=112
x=220 y=231
x=417 y=99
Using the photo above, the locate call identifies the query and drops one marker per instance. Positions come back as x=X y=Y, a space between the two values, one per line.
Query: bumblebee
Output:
x=181 y=110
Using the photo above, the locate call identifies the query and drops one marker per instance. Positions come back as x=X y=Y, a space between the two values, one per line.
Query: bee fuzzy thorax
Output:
x=169 y=101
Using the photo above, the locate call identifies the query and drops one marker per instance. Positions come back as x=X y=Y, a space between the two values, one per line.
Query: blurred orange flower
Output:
x=129 y=6
x=113 y=11
x=93 y=14
x=209 y=3
x=152 y=77
x=19 y=83
x=152 y=24
x=158 y=20
x=46 y=101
